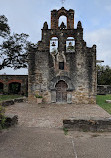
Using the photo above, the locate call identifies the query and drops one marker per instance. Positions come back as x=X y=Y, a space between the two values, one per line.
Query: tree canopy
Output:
x=4 y=28
x=103 y=75
x=13 y=48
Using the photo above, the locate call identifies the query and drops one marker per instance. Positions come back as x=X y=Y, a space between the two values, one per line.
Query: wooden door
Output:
x=61 y=91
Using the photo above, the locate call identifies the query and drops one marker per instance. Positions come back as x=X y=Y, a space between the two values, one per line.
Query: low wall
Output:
x=93 y=125
x=12 y=101
x=104 y=89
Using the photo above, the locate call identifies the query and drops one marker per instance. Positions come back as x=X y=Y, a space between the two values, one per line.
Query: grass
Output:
x=8 y=97
x=65 y=131
x=101 y=102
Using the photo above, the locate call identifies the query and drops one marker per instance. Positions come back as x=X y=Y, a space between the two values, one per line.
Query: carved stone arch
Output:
x=55 y=80
x=18 y=81
x=62 y=11
x=53 y=34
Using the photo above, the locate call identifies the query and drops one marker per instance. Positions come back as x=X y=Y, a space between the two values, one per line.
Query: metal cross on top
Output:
x=63 y=2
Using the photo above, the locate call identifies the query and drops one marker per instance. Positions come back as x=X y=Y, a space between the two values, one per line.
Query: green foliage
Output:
x=13 y=49
x=103 y=75
x=38 y=96
x=4 y=28
x=100 y=99
x=2 y=117
x=65 y=131
x=8 y=97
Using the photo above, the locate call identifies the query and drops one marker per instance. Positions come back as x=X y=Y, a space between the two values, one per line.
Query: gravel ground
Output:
x=52 y=115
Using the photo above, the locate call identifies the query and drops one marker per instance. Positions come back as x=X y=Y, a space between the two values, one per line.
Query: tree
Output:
x=103 y=75
x=13 y=49
x=4 y=28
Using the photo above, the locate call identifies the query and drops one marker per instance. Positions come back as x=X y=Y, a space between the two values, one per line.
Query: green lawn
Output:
x=101 y=102
x=8 y=97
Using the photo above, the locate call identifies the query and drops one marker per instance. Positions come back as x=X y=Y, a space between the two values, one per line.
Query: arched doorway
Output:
x=1 y=87
x=14 y=87
x=61 y=91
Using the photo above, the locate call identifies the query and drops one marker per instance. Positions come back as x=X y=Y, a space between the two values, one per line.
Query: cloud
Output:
x=28 y=16
x=10 y=71
x=102 y=38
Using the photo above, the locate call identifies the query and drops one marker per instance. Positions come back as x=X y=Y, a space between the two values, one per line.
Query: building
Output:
x=14 y=84
x=62 y=68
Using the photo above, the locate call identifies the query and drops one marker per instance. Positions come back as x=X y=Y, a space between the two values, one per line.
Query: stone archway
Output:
x=14 y=88
x=61 y=91
x=1 y=87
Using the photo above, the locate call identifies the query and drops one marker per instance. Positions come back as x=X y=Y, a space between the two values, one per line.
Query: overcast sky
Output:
x=28 y=16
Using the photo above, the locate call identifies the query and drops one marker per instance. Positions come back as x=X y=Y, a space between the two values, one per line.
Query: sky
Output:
x=28 y=16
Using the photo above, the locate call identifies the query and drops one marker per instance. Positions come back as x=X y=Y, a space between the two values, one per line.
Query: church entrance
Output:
x=61 y=91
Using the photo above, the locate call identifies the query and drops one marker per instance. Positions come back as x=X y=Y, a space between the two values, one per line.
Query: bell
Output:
x=53 y=44
x=70 y=43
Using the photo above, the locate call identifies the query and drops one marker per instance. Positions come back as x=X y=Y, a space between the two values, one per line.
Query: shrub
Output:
x=38 y=96
x=2 y=117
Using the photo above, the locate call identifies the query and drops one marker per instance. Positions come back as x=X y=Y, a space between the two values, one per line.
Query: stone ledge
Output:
x=13 y=101
x=7 y=102
x=11 y=120
x=88 y=124
x=20 y=100
x=108 y=101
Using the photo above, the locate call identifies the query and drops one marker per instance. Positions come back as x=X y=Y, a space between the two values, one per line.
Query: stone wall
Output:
x=79 y=71
x=7 y=79
x=85 y=124
x=103 y=89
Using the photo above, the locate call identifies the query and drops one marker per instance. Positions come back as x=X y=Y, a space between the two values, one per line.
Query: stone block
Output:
x=86 y=124
x=108 y=101
x=7 y=103
x=11 y=120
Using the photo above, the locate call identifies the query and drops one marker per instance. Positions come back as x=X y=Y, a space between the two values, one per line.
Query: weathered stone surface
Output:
x=86 y=124
x=79 y=72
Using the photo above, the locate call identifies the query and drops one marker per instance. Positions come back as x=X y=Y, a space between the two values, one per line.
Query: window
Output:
x=70 y=44
x=61 y=65
x=54 y=45
x=63 y=22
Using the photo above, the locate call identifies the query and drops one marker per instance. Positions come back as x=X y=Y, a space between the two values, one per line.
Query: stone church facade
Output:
x=62 y=68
